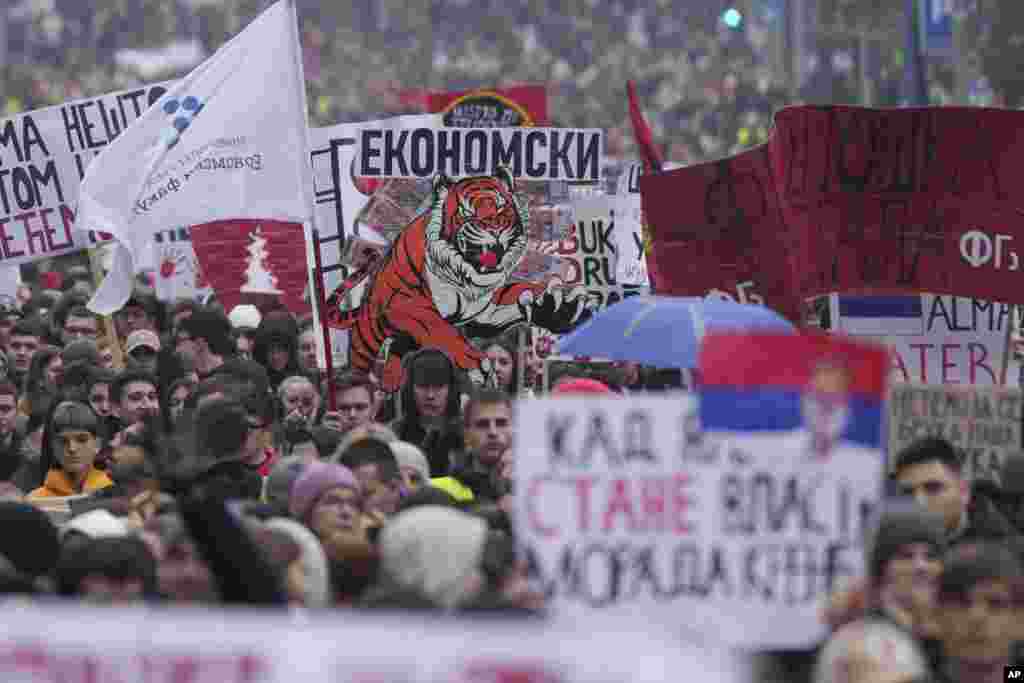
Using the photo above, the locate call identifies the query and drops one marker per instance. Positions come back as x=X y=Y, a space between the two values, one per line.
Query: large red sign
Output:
x=850 y=199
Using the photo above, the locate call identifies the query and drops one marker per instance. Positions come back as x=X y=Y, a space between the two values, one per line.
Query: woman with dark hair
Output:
x=70 y=447
x=503 y=354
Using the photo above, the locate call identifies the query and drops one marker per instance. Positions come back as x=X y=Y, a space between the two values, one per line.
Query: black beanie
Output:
x=28 y=539
x=898 y=527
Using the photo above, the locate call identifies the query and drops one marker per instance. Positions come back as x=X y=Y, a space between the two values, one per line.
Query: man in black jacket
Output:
x=487 y=431
x=931 y=471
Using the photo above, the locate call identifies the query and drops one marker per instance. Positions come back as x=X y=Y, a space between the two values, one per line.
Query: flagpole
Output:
x=109 y=330
x=321 y=305
x=316 y=283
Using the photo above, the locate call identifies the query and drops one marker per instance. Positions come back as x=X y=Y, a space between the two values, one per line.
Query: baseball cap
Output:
x=140 y=338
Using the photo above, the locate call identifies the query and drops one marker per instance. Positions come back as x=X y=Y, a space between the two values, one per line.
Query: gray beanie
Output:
x=900 y=525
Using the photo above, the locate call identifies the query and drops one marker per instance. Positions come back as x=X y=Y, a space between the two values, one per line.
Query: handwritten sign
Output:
x=984 y=423
x=935 y=339
x=627 y=508
x=590 y=252
x=43 y=157
x=800 y=419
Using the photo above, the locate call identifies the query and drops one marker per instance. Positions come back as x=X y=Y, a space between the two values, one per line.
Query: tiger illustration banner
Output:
x=448 y=278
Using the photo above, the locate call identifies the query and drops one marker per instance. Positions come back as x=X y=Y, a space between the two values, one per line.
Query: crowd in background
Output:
x=708 y=90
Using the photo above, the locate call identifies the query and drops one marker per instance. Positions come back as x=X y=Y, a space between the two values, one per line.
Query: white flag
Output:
x=229 y=141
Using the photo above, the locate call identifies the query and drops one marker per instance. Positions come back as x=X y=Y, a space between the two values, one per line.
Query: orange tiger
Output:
x=446 y=277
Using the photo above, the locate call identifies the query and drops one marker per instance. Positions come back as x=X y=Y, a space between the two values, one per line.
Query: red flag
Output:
x=247 y=261
x=650 y=153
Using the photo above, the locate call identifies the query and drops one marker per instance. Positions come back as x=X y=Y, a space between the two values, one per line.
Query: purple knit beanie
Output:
x=317 y=479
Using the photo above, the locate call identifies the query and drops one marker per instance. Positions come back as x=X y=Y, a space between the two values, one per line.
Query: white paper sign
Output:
x=49 y=644
x=936 y=339
x=43 y=157
x=629 y=510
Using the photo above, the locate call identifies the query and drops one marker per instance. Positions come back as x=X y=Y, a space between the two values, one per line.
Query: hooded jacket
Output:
x=439 y=446
x=277 y=330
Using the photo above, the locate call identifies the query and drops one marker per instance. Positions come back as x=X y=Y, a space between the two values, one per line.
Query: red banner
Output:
x=521 y=105
x=718 y=228
x=849 y=199
x=250 y=261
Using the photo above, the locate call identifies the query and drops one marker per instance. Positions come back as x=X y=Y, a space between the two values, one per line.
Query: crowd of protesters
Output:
x=195 y=459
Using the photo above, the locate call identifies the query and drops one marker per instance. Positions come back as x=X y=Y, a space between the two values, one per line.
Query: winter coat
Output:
x=57 y=484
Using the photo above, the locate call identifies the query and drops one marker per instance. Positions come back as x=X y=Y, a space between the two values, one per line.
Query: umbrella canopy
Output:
x=664 y=331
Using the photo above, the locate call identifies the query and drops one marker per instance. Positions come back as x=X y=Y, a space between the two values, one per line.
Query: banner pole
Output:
x=107 y=321
x=321 y=308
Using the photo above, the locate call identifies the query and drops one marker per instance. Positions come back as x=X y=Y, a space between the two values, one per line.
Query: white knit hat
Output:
x=245 y=315
x=433 y=550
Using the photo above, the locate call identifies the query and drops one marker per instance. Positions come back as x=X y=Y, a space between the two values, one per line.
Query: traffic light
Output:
x=733 y=18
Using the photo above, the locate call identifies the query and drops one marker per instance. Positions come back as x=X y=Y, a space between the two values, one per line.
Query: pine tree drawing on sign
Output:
x=258 y=278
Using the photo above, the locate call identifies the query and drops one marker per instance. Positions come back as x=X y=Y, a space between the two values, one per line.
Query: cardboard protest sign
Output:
x=43 y=157
x=523 y=105
x=449 y=277
x=845 y=199
x=224 y=646
x=935 y=339
x=590 y=253
x=530 y=154
x=983 y=423
x=798 y=424
x=176 y=270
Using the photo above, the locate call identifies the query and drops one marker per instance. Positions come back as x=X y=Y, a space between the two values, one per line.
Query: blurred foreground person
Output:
x=904 y=563
x=977 y=617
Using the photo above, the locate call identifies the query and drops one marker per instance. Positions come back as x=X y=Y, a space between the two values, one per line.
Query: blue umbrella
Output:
x=664 y=331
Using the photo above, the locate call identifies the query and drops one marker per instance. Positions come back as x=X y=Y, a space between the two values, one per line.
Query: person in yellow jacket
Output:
x=70 y=446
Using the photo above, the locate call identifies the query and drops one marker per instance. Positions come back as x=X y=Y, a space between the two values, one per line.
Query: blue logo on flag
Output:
x=181 y=111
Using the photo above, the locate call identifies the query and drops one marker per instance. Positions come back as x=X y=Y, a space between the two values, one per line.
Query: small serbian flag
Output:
x=797 y=423
x=879 y=316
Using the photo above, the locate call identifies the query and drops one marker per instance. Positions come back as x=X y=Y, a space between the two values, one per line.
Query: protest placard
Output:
x=800 y=419
x=43 y=157
x=531 y=154
x=935 y=339
x=48 y=643
x=983 y=423
x=627 y=508
x=590 y=251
